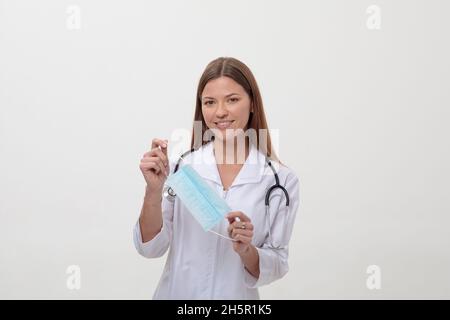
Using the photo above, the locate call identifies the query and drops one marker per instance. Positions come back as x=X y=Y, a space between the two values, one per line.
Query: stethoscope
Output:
x=170 y=195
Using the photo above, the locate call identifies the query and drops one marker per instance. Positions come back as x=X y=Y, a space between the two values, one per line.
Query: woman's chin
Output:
x=225 y=134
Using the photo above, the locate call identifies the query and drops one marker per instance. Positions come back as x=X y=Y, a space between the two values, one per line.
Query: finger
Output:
x=231 y=228
x=243 y=239
x=149 y=159
x=147 y=154
x=237 y=214
x=159 y=143
x=152 y=166
x=158 y=153
x=161 y=166
x=239 y=224
x=164 y=147
x=246 y=233
x=156 y=160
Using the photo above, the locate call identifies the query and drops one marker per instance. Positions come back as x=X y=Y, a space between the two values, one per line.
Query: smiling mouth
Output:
x=223 y=124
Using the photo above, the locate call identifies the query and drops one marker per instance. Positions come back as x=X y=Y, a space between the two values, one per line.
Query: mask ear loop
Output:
x=220 y=235
x=225 y=237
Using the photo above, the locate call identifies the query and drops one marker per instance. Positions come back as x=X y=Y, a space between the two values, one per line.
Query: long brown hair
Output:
x=239 y=72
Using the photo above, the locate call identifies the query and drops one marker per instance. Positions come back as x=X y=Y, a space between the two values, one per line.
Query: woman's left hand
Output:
x=242 y=231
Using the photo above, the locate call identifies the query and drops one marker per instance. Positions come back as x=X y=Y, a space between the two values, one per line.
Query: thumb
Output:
x=164 y=149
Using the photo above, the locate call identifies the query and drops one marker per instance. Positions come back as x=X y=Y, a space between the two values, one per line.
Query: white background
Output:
x=363 y=119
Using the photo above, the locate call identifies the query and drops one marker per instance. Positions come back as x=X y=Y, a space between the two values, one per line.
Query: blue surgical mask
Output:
x=198 y=197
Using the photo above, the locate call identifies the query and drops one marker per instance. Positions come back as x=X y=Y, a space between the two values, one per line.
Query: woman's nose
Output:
x=221 y=110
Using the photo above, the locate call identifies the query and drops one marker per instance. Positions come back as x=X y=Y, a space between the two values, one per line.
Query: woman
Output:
x=202 y=265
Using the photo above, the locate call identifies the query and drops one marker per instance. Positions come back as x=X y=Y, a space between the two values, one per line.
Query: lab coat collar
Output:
x=252 y=171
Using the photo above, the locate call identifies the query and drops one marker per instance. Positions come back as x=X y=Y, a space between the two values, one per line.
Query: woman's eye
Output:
x=208 y=102
x=234 y=99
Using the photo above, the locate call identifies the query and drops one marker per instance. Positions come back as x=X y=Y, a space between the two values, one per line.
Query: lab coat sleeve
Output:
x=157 y=246
x=273 y=263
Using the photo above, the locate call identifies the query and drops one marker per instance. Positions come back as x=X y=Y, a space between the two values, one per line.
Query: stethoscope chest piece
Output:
x=168 y=193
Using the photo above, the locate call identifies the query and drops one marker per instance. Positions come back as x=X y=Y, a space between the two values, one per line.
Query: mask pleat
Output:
x=198 y=197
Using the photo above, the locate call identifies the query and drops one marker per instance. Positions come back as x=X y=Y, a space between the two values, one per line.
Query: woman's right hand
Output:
x=155 y=165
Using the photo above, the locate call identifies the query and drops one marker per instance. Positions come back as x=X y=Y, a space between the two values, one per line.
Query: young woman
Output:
x=203 y=265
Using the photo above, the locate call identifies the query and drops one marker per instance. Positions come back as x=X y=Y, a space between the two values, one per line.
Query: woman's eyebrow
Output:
x=228 y=95
x=231 y=94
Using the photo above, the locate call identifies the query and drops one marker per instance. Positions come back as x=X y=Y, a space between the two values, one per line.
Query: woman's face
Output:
x=226 y=106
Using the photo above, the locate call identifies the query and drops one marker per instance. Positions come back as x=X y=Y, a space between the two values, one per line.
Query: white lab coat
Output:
x=202 y=265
